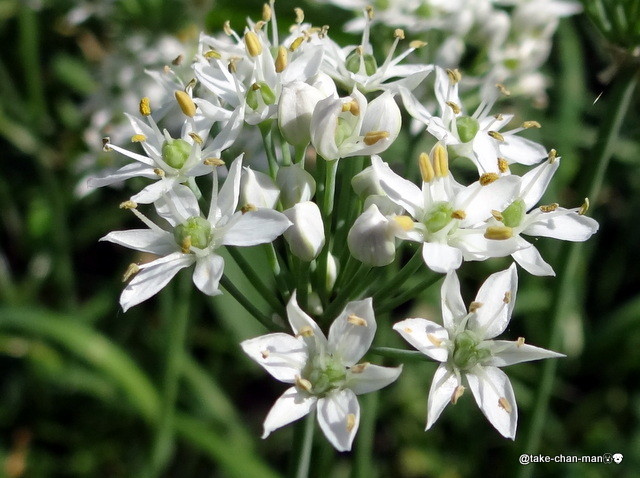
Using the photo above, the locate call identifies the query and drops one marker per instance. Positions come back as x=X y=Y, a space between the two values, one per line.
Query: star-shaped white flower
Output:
x=467 y=353
x=324 y=372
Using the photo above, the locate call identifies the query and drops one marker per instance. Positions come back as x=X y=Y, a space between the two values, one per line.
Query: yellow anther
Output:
x=212 y=54
x=232 y=67
x=520 y=342
x=457 y=393
x=255 y=86
x=372 y=137
x=281 y=59
x=213 y=162
x=507 y=297
x=398 y=33
x=138 y=138
x=404 y=222
x=359 y=368
x=584 y=208
x=454 y=107
x=187 y=105
x=503 y=165
x=266 y=12
x=248 y=208
x=177 y=60
x=258 y=26
x=132 y=270
x=304 y=384
x=503 y=89
x=323 y=31
x=459 y=214
x=454 y=75
x=552 y=156
x=227 y=28
x=426 y=168
x=196 y=137
x=549 y=207
x=128 y=205
x=352 y=107
x=531 y=124
x=159 y=172
x=474 y=306
x=166 y=69
x=185 y=245
x=434 y=340
x=415 y=44
x=296 y=43
x=488 y=178
x=191 y=85
x=299 y=15
x=105 y=143
x=498 y=116
x=306 y=331
x=440 y=158
x=498 y=233
x=351 y=421
x=145 y=107
x=504 y=404
x=370 y=12
x=497 y=215
x=408 y=330
x=252 y=42
x=265 y=354
x=353 y=319
x=495 y=135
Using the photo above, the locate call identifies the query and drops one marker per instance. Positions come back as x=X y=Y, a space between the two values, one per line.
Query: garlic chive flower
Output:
x=468 y=355
x=325 y=373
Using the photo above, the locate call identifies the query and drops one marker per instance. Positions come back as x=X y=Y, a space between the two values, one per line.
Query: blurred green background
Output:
x=81 y=382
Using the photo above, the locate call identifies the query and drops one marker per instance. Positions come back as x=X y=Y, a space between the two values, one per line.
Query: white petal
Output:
x=291 y=406
x=505 y=352
x=490 y=386
x=306 y=236
x=282 y=355
x=178 y=205
x=442 y=389
x=371 y=378
x=146 y=240
x=371 y=238
x=207 y=274
x=531 y=261
x=228 y=195
x=478 y=201
x=452 y=305
x=497 y=297
x=534 y=183
x=256 y=227
x=125 y=172
x=425 y=336
x=300 y=321
x=258 y=189
x=486 y=153
x=521 y=150
x=563 y=224
x=339 y=418
x=352 y=332
x=441 y=257
x=154 y=191
x=324 y=122
x=152 y=277
x=402 y=192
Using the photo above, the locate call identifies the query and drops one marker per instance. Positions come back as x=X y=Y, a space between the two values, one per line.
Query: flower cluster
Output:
x=333 y=213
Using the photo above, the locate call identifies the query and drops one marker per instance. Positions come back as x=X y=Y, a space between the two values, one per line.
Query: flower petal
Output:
x=282 y=355
x=207 y=274
x=255 y=227
x=369 y=377
x=453 y=308
x=291 y=406
x=404 y=193
x=339 y=417
x=494 y=395
x=441 y=257
x=425 y=336
x=146 y=240
x=531 y=261
x=129 y=171
x=228 y=196
x=305 y=326
x=442 y=389
x=352 y=332
x=564 y=224
x=505 y=352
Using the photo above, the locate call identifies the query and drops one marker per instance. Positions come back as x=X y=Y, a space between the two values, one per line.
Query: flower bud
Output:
x=366 y=183
x=306 y=235
x=371 y=239
x=258 y=189
x=295 y=108
x=296 y=185
x=175 y=152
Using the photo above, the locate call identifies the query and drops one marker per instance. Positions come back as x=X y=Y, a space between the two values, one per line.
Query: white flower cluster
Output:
x=316 y=106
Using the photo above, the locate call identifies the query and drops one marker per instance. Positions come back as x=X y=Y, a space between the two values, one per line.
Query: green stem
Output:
x=401 y=355
x=363 y=463
x=326 y=199
x=284 y=281
x=352 y=290
x=270 y=149
x=390 y=286
x=620 y=101
x=390 y=304
x=247 y=304
x=302 y=446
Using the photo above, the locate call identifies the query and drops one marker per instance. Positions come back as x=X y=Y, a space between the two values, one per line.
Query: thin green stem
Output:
x=270 y=149
x=326 y=199
x=284 y=281
x=388 y=287
x=390 y=304
x=247 y=304
x=363 y=463
x=353 y=289
x=401 y=355
x=303 y=445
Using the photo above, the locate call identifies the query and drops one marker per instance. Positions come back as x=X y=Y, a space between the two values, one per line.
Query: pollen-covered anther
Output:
x=459 y=214
x=266 y=12
x=177 y=60
x=159 y=172
x=296 y=43
x=434 y=340
x=498 y=117
x=498 y=233
x=196 y=137
x=299 y=15
x=552 y=156
x=281 y=60
x=213 y=162
x=232 y=67
x=454 y=107
x=212 y=54
x=353 y=319
x=226 y=27
x=323 y=31
x=187 y=105
x=128 y=205
x=404 y=222
x=426 y=168
x=520 y=342
x=248 y=208
x=372 y=137
x=351 y=421
x=549 y=207
x=474 y=306
x=495 y=135
x=398 y=33
x=488 y=178
x=503 y=89
x=265 y=354
x=504 y=404
x=503 y=165
x=305 y=331
x=105 y=144
x=507 y=297
x=440 y=158
x=258 y=26
x=359 y=368
x=584 y=208
x=303 y=383
x=252 y=42
x=185 y=246
x=132 y=270
x=352 y=107
x=370 y=12
x=497 y=215
x=531 y=124
x=457 y=393
x=145 y=107
x=415 y=44
x=454 y=75
x=138 y=138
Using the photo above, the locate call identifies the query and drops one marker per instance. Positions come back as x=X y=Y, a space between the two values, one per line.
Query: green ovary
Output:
x=197 y=229
x=466 y=353
x=467 y=128
x=514 y=214
x=438 y=217
x=353 y=63
x=326 y=373
x=175 y=152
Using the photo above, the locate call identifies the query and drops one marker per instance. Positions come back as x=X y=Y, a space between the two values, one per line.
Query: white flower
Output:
x=371 y=239
x=296 y=184
x=344 y=127
x=325 y=373
x=306 y=236
x=468 y=355
x=193 y=238
x=296 y=105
